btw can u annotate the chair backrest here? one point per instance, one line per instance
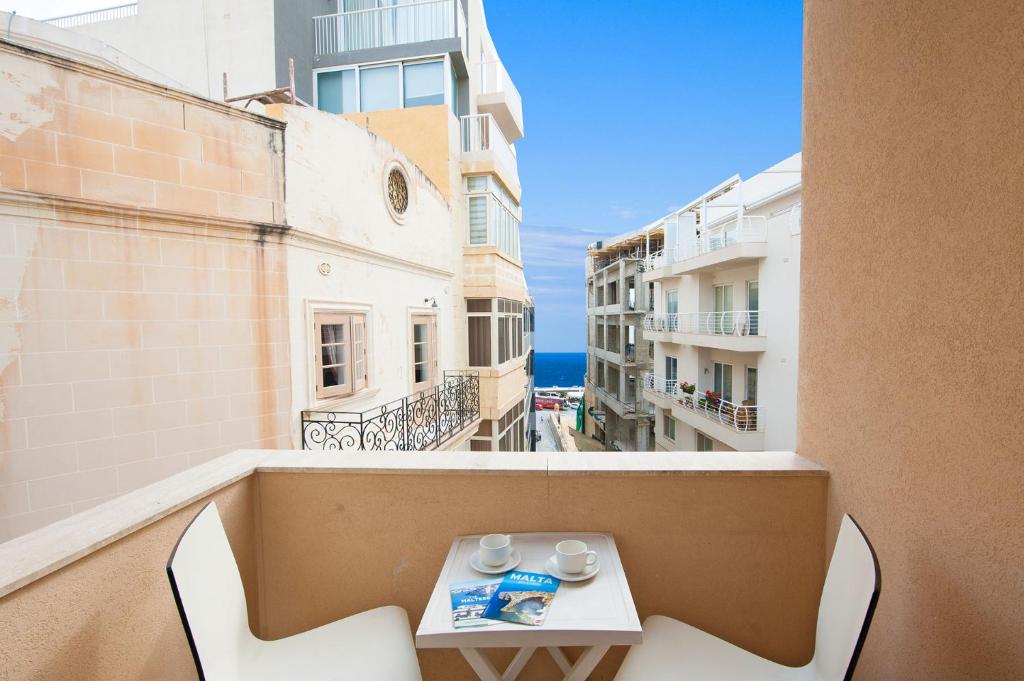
(210, 597)
(848, 602)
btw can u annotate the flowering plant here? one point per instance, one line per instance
(712, 396)
(687, 387)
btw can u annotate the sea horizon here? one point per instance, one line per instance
(559, 369)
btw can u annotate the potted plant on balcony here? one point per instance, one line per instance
(710, 401)
(686, 397)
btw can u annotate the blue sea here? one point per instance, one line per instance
(562, 369)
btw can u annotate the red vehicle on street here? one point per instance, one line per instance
(546, 402)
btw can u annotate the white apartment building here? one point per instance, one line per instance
(726, 317)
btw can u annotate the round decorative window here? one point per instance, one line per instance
(398, 191)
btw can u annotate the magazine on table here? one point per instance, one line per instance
(470, 599)
(522, 598)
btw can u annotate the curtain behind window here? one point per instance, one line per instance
(480, 341)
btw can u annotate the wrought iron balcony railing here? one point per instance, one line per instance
(421, 421)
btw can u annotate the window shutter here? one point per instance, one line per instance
(435, 377)
(359, 353)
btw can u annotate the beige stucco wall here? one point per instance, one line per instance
(318, 539)
(80, 132)
(501, 387)
(111, 614)
(489, 273)
(142, 286)
(423, 134)
(911, 318)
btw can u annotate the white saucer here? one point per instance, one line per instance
(589, 571)
(513, 560)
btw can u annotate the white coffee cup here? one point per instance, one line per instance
(572, 556)
(495, 549)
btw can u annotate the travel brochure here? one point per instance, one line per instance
(518, 597)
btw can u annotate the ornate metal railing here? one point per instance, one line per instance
(421, 421)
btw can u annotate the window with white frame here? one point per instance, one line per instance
(495, 331)
(704, 443)
(340, 353)
(424, 351)
(392, 85)
(494, 216)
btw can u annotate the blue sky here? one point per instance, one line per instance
(632, 108)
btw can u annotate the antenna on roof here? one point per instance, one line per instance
(281, 95)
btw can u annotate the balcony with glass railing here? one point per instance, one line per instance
(379, 27)
(499, 97)
(729, 241)
(735, 240)
(738, 330)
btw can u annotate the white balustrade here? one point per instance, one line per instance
(742, 418)
(663, 386)
(95, 16)
(364, 29)
(732, 323)
(494, 79)
(480, 132)
(748, 229)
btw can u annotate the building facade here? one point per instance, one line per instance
(167, 300)
(725, 319)
(678, 346)
(618, 355)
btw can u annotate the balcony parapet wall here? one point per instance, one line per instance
(742, 556)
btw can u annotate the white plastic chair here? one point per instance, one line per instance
(676, 651)
(371, 646)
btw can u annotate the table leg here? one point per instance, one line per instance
(480, 664)
(517, 664)
(560, 659)
(584, 665)
(485, 669)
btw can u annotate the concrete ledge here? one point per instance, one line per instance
(37, 554)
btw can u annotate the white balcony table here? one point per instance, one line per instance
(595, 614)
